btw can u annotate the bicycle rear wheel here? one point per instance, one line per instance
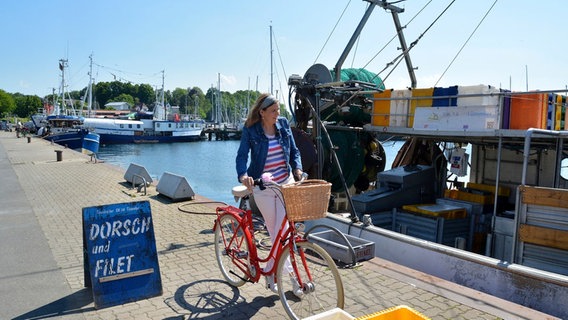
(318, 277)
(232, 250)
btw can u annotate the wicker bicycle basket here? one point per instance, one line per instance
(306, 200)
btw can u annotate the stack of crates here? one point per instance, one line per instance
(440, 223)
(537, 110)
(396, 108)
(469, 108)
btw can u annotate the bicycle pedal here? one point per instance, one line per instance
(242, 254)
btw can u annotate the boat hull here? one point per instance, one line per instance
(533, 288)
(91, 143)
(119, 131)
(124, 139)
(87, 142)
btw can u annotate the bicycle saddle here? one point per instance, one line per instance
(240, 192)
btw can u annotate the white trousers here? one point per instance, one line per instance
(272, 209)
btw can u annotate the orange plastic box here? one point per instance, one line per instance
(395, 313)
(528, 111)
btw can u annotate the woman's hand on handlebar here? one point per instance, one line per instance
(247, 182)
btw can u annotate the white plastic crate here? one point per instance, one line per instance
(333, 314)
(338, 249)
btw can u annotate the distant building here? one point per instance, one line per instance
(111, 113)
(121, 106)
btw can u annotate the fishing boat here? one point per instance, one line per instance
(163, 125)
(478, 194)
(70, 132)
(145, 128)
(62, 124)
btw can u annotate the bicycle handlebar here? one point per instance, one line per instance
(262, 184)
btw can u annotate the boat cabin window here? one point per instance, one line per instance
(130, 126)
(564, 169)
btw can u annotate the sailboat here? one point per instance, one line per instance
(63, 125)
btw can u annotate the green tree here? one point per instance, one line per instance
(102, 92)
(179, 98)
(145, 94)
(7, 103)
(197, 103)
(167, 97)
(26, 105)
(123, 97)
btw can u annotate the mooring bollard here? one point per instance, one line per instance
(29, 139)
(59, 154)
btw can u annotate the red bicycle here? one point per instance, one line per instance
(314, 271)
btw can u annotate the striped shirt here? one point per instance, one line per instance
(275, 161)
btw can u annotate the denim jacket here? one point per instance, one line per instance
(253, 139)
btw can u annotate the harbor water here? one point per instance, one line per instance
(208, 166)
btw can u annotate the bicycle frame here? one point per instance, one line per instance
(281, 243)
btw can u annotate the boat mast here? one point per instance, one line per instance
(395, 11)
(351, 42)
(162, 98)
(218, 119)
(90, 87)
(62, 66)
(271, 63)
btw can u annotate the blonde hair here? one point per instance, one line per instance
(254, 113)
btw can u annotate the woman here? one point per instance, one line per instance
(269, 139)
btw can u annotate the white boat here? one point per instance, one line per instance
(503, 231)
(146, 129)
(160, 126)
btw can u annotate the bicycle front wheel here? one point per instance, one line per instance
(314, 286)
(232, 250)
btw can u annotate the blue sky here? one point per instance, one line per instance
(195, 41)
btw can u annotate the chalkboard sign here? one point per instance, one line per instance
(121, 261)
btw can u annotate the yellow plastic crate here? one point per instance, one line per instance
(503, 191)
(381, 108)
(395, 313)
(471, 197)
(437, 210)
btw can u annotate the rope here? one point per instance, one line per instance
(196, 203)
(413, 44)
(463, 46)
(332, 31)
(396, 34)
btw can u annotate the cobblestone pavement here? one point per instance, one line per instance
(41, 274)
